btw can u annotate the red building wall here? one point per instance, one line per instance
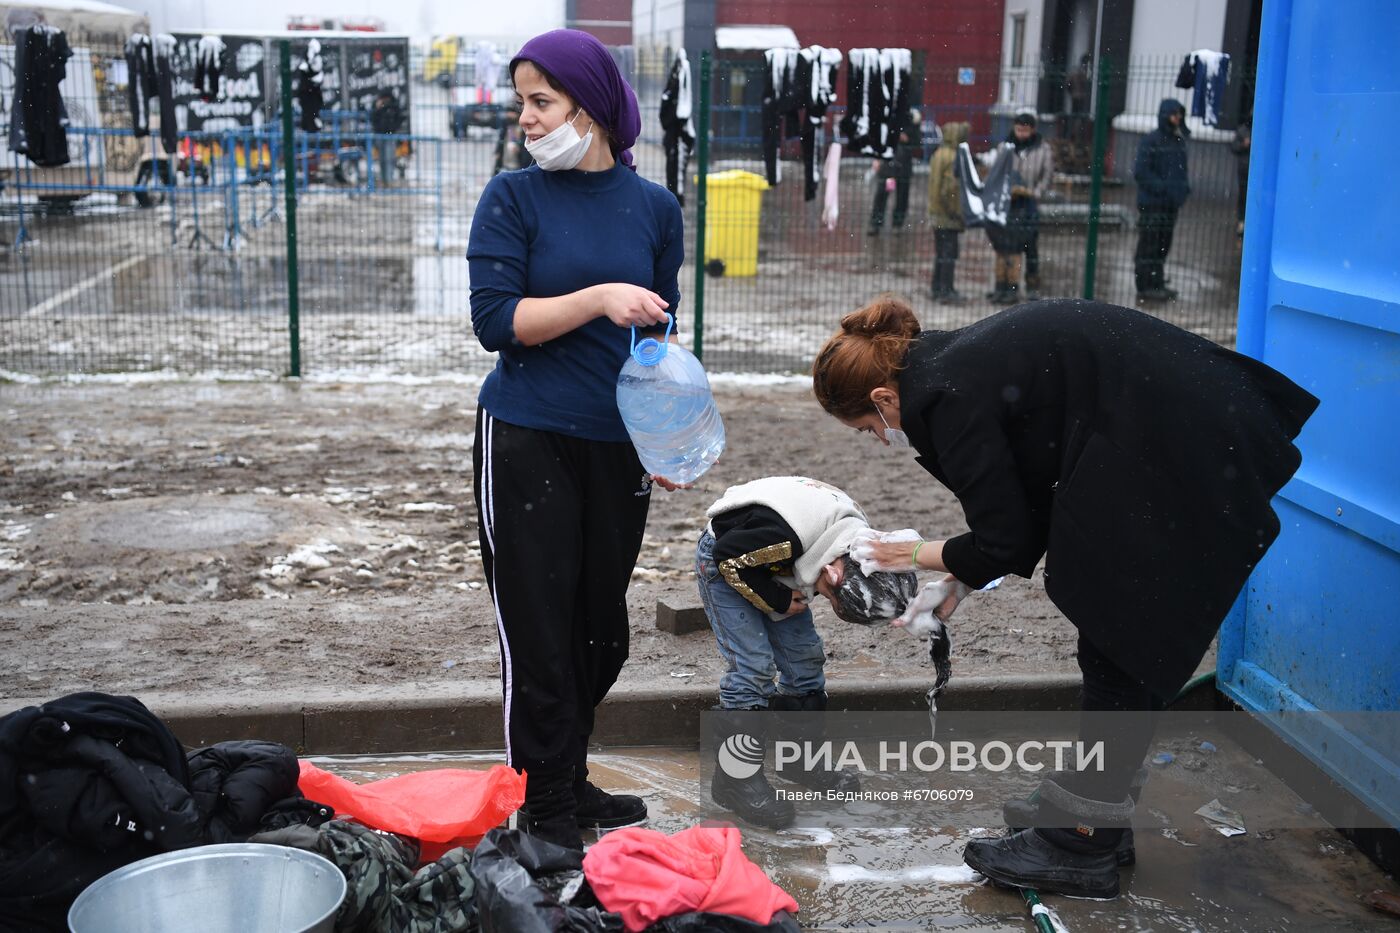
(952, 34)
(587, 14)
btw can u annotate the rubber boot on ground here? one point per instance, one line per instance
(1074, 858)
(807, 728)
(748, 795)
(1022, 812)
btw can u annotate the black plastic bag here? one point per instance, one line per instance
(527, 885)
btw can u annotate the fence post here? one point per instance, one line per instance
(1091, 250)
(289, 160)
(700, 200)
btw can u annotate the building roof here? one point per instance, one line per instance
(755, 37)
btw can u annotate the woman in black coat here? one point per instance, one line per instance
(1137, 459)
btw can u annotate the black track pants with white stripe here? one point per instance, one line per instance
(560, 522)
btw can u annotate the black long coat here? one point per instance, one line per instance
(1137, 458)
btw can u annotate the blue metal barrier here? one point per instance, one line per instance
(1318, 625)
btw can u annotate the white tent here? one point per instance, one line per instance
(84, 22)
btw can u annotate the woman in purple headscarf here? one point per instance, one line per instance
(565, 257)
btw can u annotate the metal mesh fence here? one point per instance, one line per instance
(132, 258)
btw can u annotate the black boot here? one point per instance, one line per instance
(1077, 860)
(1021, 812)
(749, 795)
(807, 729)
(596, 808)
(550, 811)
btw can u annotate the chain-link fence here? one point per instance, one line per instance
(135, 258)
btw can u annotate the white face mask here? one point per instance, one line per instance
(894, 436)
(562, 148)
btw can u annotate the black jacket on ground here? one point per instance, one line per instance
(1160, 166)
(92, 782)
(88, 783)
(1139, 459)
(236, 785)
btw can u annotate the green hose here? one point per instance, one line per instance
(1039, 917)
(1199, 680)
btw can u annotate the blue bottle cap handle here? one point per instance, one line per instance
(652, 351)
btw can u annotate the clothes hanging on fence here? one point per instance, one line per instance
(208, 66)
(780, 102)
(986, 202)
(1210, 71)
(310, 79)
(150, 74)
(677, 125)
(877, 99)
(38, 116)
(831, 201)
(799, 86)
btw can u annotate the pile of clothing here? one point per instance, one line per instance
(92, 782)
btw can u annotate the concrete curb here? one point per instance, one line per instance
(413, 720)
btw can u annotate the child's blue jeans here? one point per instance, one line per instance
(753, 644)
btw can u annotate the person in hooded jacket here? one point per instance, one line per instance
(945, 210)
(1163, 186)
(1035, 167)
(1137, 459)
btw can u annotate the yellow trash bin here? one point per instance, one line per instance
(731, 220)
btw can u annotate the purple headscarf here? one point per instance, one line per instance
(588, 73)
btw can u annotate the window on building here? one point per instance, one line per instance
(1018, 40)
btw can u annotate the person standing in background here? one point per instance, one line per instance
(1163, 186)
(1035, 166)
(385, 119)
(894, 174)
(945, 209)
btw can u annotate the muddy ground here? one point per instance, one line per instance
(246, 537)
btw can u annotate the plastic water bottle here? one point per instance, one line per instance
(665, 401)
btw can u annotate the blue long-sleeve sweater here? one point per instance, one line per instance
(539, 234)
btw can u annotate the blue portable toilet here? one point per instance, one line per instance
(1318, 625)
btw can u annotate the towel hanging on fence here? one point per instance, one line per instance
(677, 127)
(38, 116)
(831, 201)
(208, 66)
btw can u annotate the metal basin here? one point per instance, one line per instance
(215, 889)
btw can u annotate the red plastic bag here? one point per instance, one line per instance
(442, 809)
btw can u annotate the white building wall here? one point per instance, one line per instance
(1019, 85)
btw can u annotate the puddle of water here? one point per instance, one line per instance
(912, 877)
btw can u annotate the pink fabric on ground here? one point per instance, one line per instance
(647, 876)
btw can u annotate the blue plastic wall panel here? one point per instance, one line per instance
(1318, 626)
